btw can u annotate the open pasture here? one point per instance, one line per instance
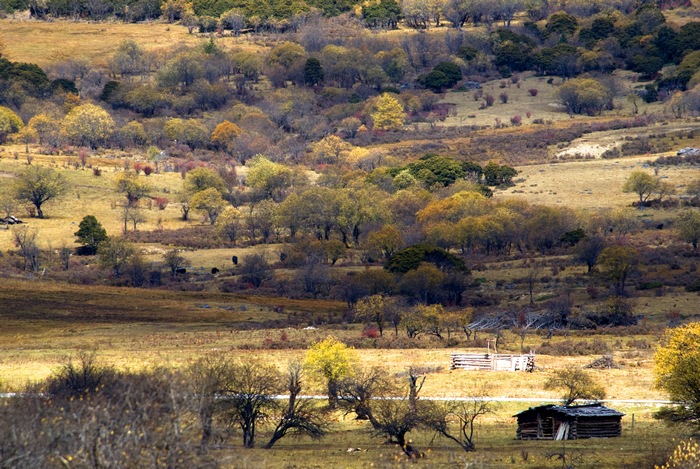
(155, 328)
(590, 185)
(48, 42)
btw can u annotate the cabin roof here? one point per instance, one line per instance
(588, 410)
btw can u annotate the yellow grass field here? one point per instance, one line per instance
(45, 43)
(590, 185)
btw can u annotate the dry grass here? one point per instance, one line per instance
(89, 195)
(545, 105)
(588, 185)
(45, 43)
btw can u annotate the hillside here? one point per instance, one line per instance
(193, 187)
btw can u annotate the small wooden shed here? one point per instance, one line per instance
(556, 422)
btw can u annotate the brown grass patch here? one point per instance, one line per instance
(45, 43)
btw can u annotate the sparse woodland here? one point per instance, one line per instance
(327, 198)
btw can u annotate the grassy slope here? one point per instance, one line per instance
(45, 43)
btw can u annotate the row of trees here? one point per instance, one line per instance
(216, 396)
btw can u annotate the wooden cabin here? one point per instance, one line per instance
(555, 422)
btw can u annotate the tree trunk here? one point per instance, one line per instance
(332, 394)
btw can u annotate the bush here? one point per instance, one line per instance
(73, 381)
(489, 100)
(503, 97)
(532, 91)
(574, 348)
(411, 258)
(516, 120)
(161, 202)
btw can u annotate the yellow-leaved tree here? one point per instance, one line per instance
(677, 370)
(224, 135)
(9, 123)
(389, 113)
(331, 361)
(685, 456)
(88, 125)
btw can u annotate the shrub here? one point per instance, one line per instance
(147, 170)
(516, 120)
(489, 100)
(73, 381)
(96, 171)
(503, 97)
(370, 332)
(533, 91)
(161, 202)
(574, 348)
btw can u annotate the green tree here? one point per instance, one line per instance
(451, 70)
(677, 371)
(332, 361)
(575, 384)
(387, 240)
(210, 202)
(10, 123)
(38, 185)
(688, 227)
(584, 95)
(88, 125)
(371, 309)
(129, 59)
(313, 72)
(90, 233)
(174, 10)
(229, 225)
(389, 113)
(616, 263)
(132, 186)
(132, 134)
(47, 129)
(202, 178)
(268, 178)
(422, 282)
(114, 254)
(188, 131)
(498, 175)
(183, 70)
(641, 183)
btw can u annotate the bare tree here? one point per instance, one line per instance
(8, 204)
(25, 240)
(132, 214)
(300, 416)
(357, 392)
(210, 375)
(249, 396)
(525, 321)
(455, 420)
